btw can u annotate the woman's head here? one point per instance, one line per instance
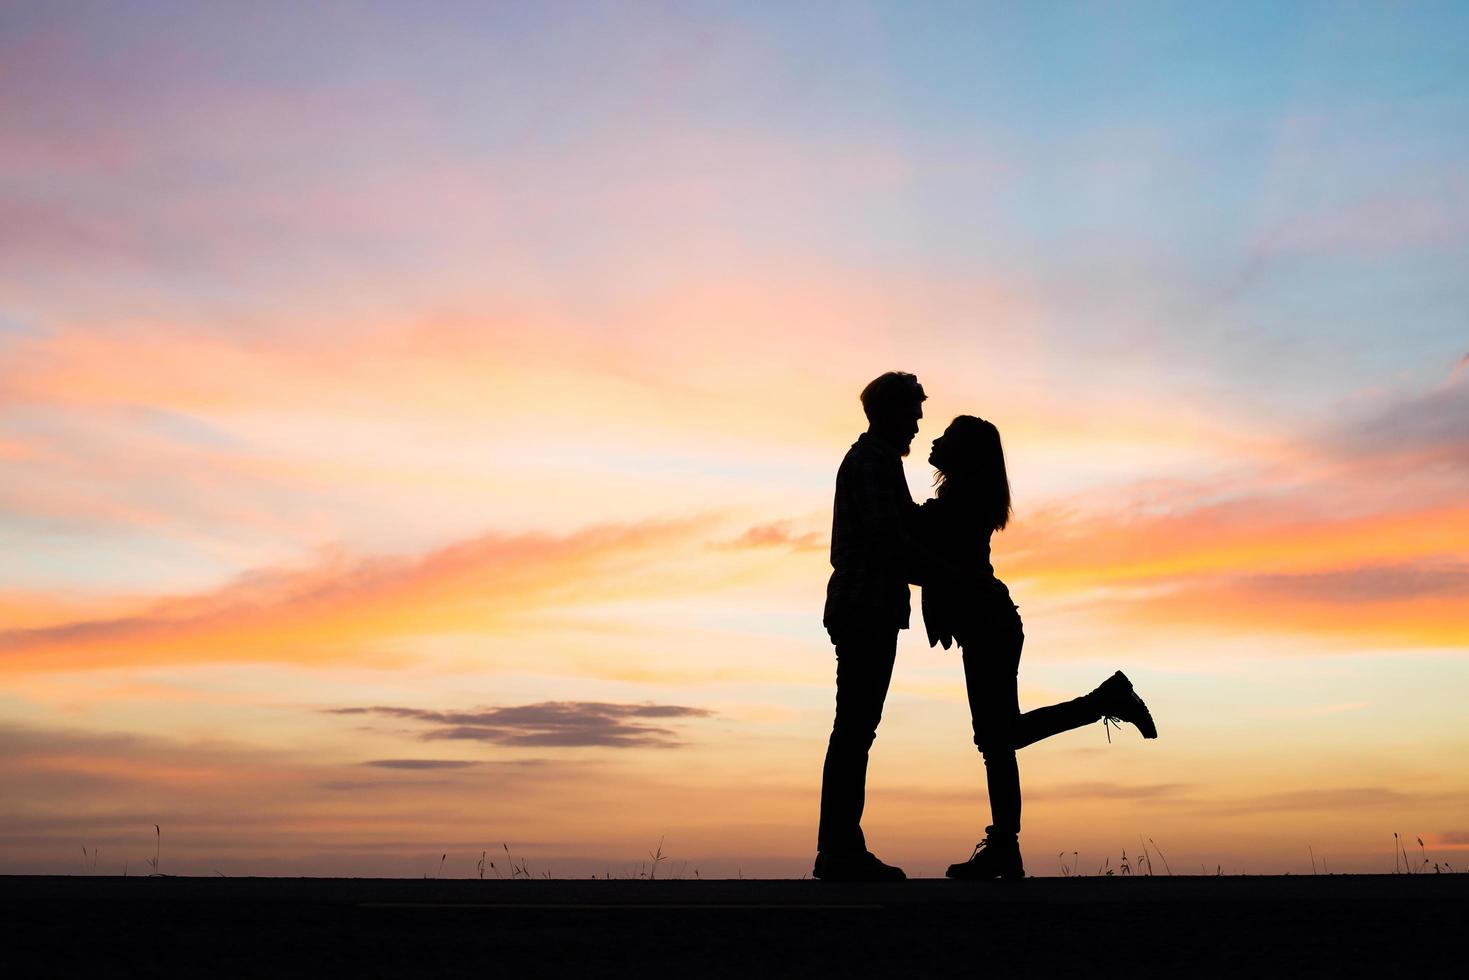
(971, 463)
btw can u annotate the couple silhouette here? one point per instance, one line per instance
(881, 542)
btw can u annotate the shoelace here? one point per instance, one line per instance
(979, 847)
(1107, 722)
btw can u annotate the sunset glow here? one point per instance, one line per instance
(418, 424)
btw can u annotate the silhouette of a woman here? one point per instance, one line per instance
(971, 502)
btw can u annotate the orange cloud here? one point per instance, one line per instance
(25, 609)
(779, 534)
(1328, 607)
(1257, 565)
(343, 608)
(1245, 537)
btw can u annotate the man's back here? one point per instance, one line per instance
(869, 581)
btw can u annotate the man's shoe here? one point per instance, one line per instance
(997, 858)
(857, 866)
(1119, 702)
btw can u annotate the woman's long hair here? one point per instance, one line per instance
(976, 473)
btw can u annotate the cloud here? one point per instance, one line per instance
(547, 724)
(49, 766)
(332, 427)
(1105, 791)
(421, 763)
(1411, 603)
(337, 609)
(1351, 540)
(1346, 798)
(1058, 792)
(1360, 494)
(1423, 427)
(1260, 528)
(244, 809)
(1373, 583)
(779, 534)
(1431, 213)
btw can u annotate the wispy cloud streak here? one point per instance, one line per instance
(564, 724)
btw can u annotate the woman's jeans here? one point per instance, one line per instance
(991, 677)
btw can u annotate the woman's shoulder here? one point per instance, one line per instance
(944, 510)
(934, 506)
(955, 520)
(932, 513)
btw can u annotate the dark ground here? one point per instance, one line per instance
(1353, 925)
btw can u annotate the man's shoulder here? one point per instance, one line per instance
(865, 452)
(856, 455)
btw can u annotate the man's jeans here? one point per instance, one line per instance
(865, 655)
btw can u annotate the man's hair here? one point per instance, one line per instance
(891, 394)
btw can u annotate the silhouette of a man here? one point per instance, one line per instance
(874, 557)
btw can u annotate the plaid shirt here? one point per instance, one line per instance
(873, 553)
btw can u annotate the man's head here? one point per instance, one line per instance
(894, 404)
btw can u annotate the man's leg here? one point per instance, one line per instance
(865, 656)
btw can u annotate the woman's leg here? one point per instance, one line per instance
(990, 680)
(1041, 723)
(999, 700)
(994, 708)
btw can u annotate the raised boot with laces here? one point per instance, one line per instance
(1117, 702)
(996, 856)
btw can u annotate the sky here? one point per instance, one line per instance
(418, 426)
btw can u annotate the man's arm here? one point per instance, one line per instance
(888, 511)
